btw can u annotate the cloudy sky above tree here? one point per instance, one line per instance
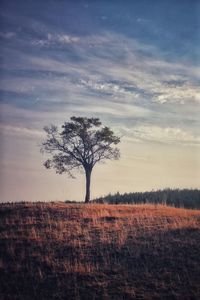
(133, 64)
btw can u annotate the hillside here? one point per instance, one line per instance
(99, 251)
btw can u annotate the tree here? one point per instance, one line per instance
(82, 143)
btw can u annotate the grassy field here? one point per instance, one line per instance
(69, 251)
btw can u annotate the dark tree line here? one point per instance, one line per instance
(187, 198)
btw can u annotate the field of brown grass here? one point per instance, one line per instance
(73, 251)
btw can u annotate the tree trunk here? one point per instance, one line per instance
(88, 180)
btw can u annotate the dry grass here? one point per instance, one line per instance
(63, 251)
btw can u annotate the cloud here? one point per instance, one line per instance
(24, 132)
(115, 89)
(7, 35)
(112, 76)
(115, 66)
(119, 110)
(180, 94)
(168, 135)
(55, 40)
(139, 70)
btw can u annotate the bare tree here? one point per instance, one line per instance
(81, 144)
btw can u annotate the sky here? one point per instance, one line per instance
(133, 64)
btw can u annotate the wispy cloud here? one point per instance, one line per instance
(118, 67)
(23, 132)
(52, 39)
(168, 135)
(7, 35)
(114, 76)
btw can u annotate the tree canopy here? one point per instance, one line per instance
(81, 144)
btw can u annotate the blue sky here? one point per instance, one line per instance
(133, 64)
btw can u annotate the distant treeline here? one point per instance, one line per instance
(188, 198)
